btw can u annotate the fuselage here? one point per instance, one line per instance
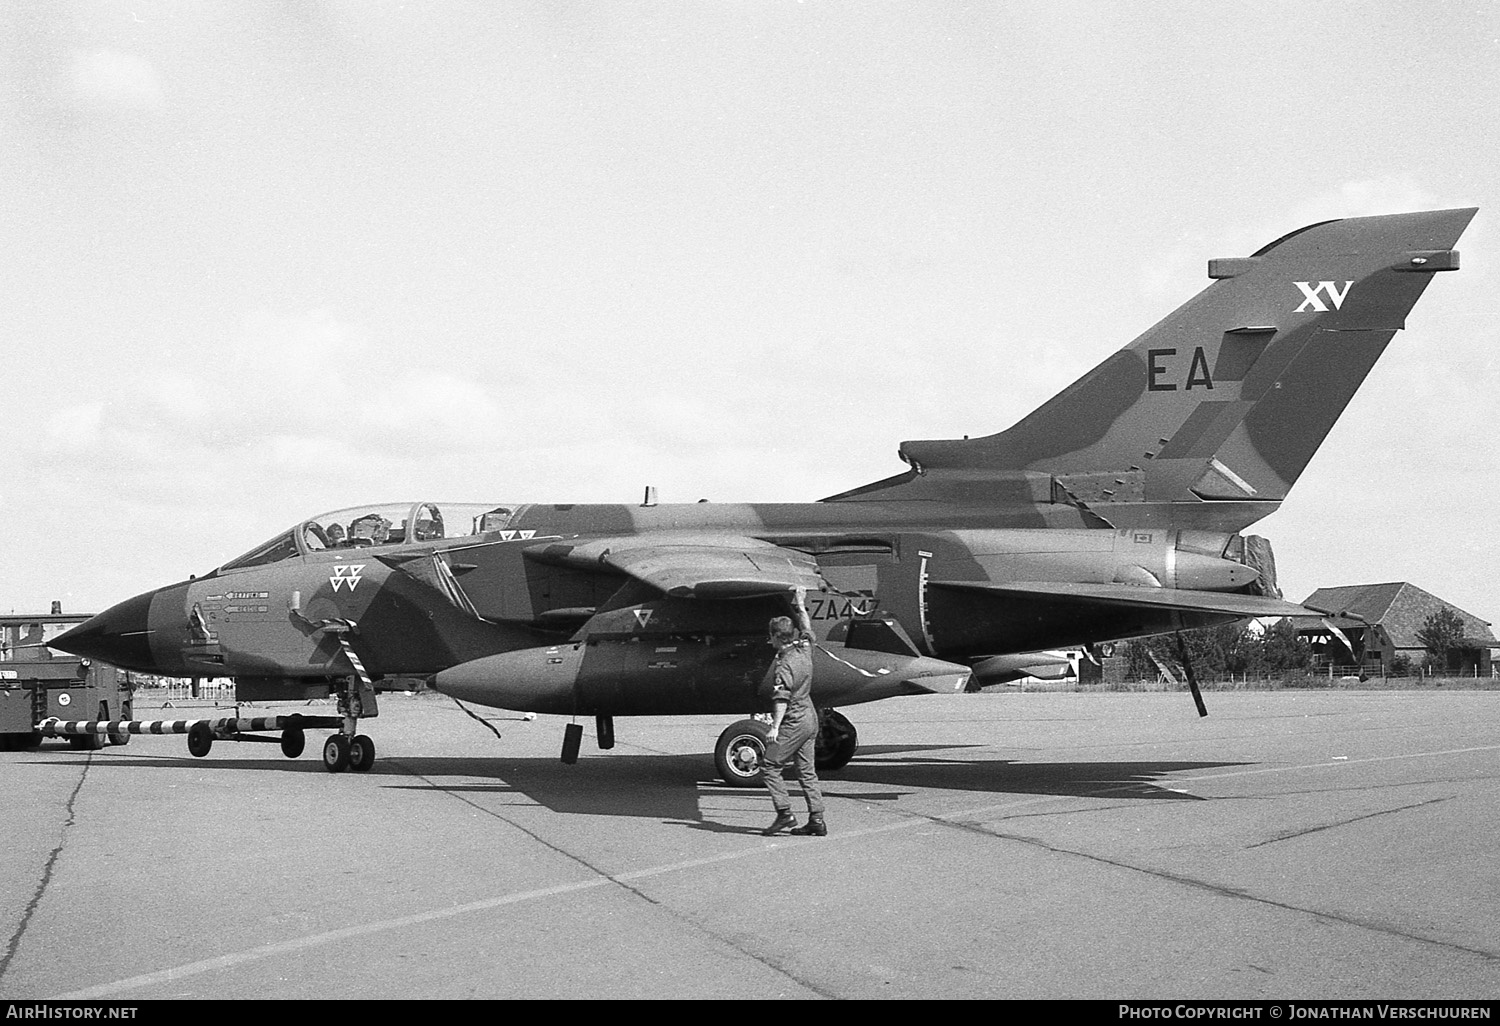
(422, 597)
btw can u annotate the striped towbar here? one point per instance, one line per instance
(222, 727)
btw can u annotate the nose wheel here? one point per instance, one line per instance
(336, 753)
(341, 752)
(361, 753)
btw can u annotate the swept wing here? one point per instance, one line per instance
(705, 566)
(1093, 596)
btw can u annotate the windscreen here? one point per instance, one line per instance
(394, 523)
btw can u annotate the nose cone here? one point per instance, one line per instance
(121, 635)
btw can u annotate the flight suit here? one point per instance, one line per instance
(797, 741)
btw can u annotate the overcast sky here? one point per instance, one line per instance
(263, 260)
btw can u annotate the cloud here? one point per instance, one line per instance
(1174, 273)
(76, 428)
(309, 454)
(440, 407)
(1391, 194)
(108, 80)
(291, 405)
(177, 397)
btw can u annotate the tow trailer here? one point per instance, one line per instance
(342, 750)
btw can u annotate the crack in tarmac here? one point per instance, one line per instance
(1346, 822)
(972, 826)
(1231, 892)
(621, 880)
(1351, 789)
(14, 945)
(980, 829)
(599, 879)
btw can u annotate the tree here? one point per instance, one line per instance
(1224, 650)
(1281, 650)
(1442, 634)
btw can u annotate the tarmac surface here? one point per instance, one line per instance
(1295, 844)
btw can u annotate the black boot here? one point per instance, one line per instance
(784, 819)
(815, 827)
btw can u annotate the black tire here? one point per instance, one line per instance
(200, 740)
(122, 737)
(739, 751)
(87, 742)
(336, 753)
(837, 741)
(293, 741)
(361, 753)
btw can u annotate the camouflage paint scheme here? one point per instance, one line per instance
(1112, 511)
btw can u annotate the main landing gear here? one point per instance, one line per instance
(742, 747)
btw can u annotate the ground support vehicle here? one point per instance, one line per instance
(38, 682)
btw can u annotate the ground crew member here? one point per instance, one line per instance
(794, 725)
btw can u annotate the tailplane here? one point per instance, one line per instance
(1208, 418)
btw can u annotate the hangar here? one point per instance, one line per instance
(1382, 621)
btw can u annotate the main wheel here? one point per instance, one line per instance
(837, 741)
(87, 742)
(361, 753)
(336, 753)
(739, 752)
(200, 739)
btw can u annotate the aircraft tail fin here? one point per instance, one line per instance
(1209, 417)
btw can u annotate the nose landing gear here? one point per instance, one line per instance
(348, 749)
(341, 752)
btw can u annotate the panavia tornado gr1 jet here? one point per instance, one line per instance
(1113, 511)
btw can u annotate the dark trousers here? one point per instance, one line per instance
(797, 748)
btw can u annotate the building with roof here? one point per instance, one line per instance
(1381, 622)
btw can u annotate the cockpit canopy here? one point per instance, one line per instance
(373, 526)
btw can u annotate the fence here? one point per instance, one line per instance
(167, 693)
(1369, 672)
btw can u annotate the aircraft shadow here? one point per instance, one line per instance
(1007, 776)
(677, 787)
